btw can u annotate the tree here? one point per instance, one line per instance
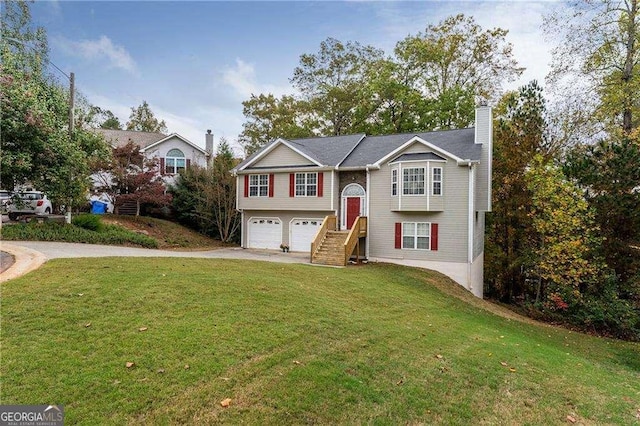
(565, 239)
(269, 118)
(37, 146)
(129, 177)
(520, 134)
(457, 54)
(204, 199)
(599, 47)
(608, 173)
(332, 82)
(142, 119)
(225, 215)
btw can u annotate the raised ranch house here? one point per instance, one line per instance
(173, 152)
(413, 199)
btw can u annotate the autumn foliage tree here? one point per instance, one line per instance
(130, 177)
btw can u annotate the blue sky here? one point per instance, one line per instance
(195, 62)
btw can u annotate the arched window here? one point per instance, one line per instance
(175, 162)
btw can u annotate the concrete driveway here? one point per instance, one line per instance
(29, 255)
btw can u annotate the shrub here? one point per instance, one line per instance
(111, 234)
(91, 222)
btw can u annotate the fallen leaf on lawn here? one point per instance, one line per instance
(186, 366)
(502, 363)
(571, 419)
(513, 370)
(401, 381)
(80, 294)
(88, 324)
(225, 402)
(116, 382)
(638, 414)
(296, 362)
(226, 379)
(439, 356)
(143, 328)
(160, 370)
(130, 364)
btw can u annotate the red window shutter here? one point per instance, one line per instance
(162, 171)
(271, 180)
(434, 237)
(246, 185)
(188, 163)
(320, 183)
(398, 235)
(292, 185)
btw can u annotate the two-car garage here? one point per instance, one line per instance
(268, 232)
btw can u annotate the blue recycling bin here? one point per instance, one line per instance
(98, 207)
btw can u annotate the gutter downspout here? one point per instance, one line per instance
(470, 225)
(367, 203)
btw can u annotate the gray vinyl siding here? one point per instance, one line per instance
(282, 156)
(478, 234)
(281, 196)
(336, 192)
(452, 222)
(484, 136)
(286, 216)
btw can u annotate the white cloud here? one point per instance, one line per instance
(242, 79)
(100, 49)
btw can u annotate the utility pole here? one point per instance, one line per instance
(72, 84)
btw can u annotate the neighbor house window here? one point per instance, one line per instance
(394, 182)
(306, 184)
(416, 235)
(436, 182)
(258, 185)
(413, 181)
(174, 162)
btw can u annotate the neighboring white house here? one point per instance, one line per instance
(416, 199)
(173, 152)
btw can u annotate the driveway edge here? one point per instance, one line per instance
(26, 260)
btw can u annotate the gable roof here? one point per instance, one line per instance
(175, 135)
(418, 156)
(119, 138)
(359, 151)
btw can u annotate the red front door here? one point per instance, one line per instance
(353, 210)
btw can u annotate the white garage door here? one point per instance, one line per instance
(302, 232)
(265, 232)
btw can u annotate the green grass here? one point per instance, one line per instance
(108, 234)
(294, 344)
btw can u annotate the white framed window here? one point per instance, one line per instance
(394, 182)
(258, 185)
(416, 235)
(174, 162)
(306, 184)
(413, 181)
(436, 181)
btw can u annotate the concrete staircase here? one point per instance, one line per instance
(331, 251)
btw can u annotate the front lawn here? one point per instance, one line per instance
(294, 344)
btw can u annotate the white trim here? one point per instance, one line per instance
(490, 160)
(426, 179)
(441, 181)
(427, 182)
(411, 142)
(415, 236)
(332, 187)
(187, 141)
(258, 185)
(394, 169)
(343, 204)
(306, 185)
(271, 147)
